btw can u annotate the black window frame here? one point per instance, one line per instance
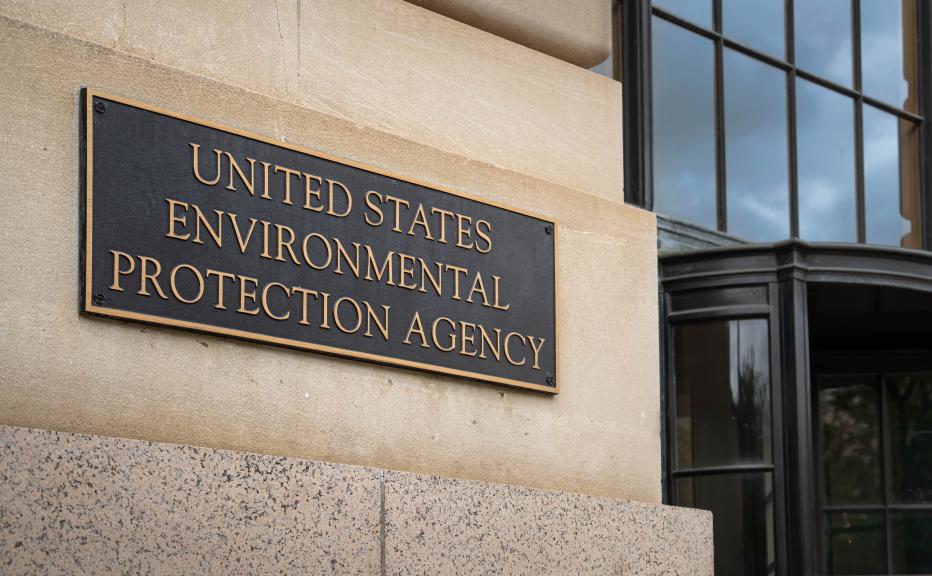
(878, 365)
(788, 270)
(635, 43)
(725, 312)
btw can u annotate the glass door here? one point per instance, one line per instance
(875, 453)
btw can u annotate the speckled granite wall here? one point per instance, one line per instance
(78, 504)
(442, 526)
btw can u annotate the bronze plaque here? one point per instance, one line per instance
(203, 227)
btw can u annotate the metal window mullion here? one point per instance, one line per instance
(924, 65)
(777, 443)
(683, 23)
(910, 507)
(672, 416)
(636, 66)
(898, 112)
(856, 43)
(846, 91)
(669, 397)
(818, 476)
(853, 508)
(792, 152)
(866, 508)
(762, 467)
(802, 508)
(859, 175)
(720, 160)
(752, 53)
(884, 472)
(717, 17)
(790, 54)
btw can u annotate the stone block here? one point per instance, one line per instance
(76, 504)
(65, 371)
(441, 526)
(382, 64)
(579, 32)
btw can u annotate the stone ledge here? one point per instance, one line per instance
(579, 32)
(79, 504)
(443, 526)
(382, 64)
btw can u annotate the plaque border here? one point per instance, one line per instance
(87, 148)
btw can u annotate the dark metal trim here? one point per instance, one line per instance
(792, 157)
(802, 533)
(891, 363)
(924, 72)
(712, 313)
(666, 453)
(884, 471)
(718, 72)
(859, 263)
(677, 235)
(636, 105)
(859, 177)
(714, 470)
(878, 508)
(778, 430)
(856, 44)
(860, 205)
(791, 139)
(857, 95)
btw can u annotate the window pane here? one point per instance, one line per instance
(911, 542)
(850, 436)
(697, 11)
(823, 38)
(722, 381)
(825, 160)
(684, 125)
(756, 149)
(888, 51)
(855, 543)
(755, 23)
(891, 174)
(742, 518)
(909, 422)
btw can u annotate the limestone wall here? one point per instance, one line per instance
(382, 82)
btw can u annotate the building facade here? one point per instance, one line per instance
(762, 167)
(785, 148)
(136, 444)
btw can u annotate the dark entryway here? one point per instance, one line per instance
(873, 404)
(798, 398)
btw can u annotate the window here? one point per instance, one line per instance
(723, 458)
(798, 407)
(771, 119)
(875, 432)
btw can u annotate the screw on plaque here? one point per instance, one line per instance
(100, 107)
(548, 229)
(98, 298)
(551, 381)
